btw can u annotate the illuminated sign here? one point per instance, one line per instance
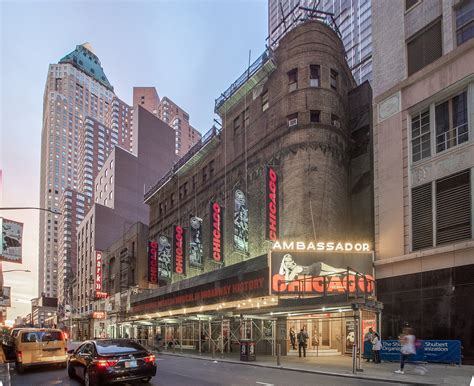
(321, 273)
(179, 242)
(153, 262)
(98, 271)
(100, 295)
(272, 228)
(98, 315)
(217, 232)
(321, 246)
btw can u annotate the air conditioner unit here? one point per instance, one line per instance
(314, 82)
(336, 123)
(292, 122)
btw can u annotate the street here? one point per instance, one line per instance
(185, 371)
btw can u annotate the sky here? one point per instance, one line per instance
(190, 50)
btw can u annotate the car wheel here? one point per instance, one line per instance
(20, 369)
(146, 380)
(70, 371)
(89, 380)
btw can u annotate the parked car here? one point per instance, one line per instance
(40, 347)
(102, 361)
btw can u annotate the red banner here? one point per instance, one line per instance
(153, 262)
(179, 248)
(272, 205)
(217, 232)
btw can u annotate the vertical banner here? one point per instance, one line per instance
(11, 241)
(195, 245)
(98, 273)
(272, 228)
(350, 335)
(164, 258)
(153, 262)
(217, 232)
(241, 222)
(179, 243)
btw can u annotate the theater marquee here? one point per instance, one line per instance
(321, 246)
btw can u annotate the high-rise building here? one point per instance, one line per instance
(186, 136)
(352, 17)
(424, 167)
(78, 99)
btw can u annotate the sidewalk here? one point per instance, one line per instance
(342, 366)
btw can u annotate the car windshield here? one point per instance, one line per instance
(41, 336)
(106, 347)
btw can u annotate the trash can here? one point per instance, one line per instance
(247, 350)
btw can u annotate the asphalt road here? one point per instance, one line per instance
(174, 371)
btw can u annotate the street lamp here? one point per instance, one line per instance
(16, 270)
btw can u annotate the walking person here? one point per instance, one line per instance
(376, 347)
(407, 341)
(293, 338)
(302, 339)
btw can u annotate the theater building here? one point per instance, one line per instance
(266, 224)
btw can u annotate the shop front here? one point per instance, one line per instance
(266, 300)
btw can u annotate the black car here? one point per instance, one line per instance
(111, 360)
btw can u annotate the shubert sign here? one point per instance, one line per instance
(321, 246)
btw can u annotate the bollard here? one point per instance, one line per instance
(278, 353)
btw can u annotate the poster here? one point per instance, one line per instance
(241, 222)
(11, 241)
(179, 255)
(350, 335)
(195, 245)
(164, 258)
(366, 325)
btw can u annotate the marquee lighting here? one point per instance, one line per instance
(321, 246)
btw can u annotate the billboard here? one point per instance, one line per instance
(179, 243)
(153, 262)
(241, 222)
(98, 273)
(320, 273)
(195, 245)
(164, 258)
(11, 241)
(272, 205)
(217, 232)
(6, 299)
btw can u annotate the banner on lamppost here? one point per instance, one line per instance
(6, 298)
(241, 222)
(195, 245)
(11, 240)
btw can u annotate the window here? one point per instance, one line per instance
(265, 101)
(334, 76)
(424, 48)
(451, 122)
(420, 136)
(409, 4)
(335, 121)
(314, 116)
(293, 79)
(314, 75)
(292, 119)
(237, 123)
(422, 217)
(453, 208)
(465, 22)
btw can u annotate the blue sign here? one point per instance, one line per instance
(441, 351)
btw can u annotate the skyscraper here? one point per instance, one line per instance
(77, 92)
(352, 17)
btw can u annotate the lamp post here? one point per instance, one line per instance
(16, 270)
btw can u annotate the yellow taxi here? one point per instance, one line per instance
(40, 346)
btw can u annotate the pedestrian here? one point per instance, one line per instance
(293, 338)
(407, 342)
(368, 344)
(302, 339)
(376, 347)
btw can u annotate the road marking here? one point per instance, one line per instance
(263, 383)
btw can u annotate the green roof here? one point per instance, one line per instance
(84, 59)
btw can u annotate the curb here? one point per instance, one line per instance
(328, 373)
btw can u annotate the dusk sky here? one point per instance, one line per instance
(191, 51)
